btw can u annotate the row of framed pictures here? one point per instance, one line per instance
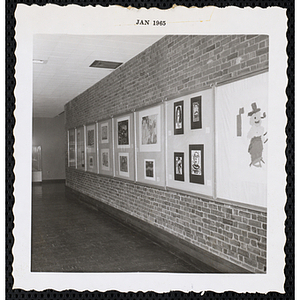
(137, 146)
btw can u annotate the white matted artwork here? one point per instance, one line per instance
(104, 133)
(124, 164)
(123, 132)
(149, 169)
(150, 129)
(105, 163)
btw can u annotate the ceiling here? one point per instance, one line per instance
(64, 70)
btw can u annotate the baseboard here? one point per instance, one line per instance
(181, 248)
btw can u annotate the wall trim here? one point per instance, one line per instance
(181, 248)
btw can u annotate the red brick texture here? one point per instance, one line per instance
(174, 66)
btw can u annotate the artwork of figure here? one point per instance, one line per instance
(149, 130)
(178, 117)
(105, 159)
(123, 135)
(196, 165)
(196, 112)
(257, 136)
(179, 165)
(123, 164)
(149, 167)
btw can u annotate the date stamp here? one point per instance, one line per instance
(151, 22)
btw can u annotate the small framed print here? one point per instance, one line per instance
(196, 113)
(178, 117)
(149, 169)
(179, 166)
(124, 164)
(91, 161)
(105, 159)
(104, 133)
(123, 132)
(196, 163)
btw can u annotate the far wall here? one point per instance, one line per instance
(49, 133)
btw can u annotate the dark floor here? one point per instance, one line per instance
(68, 236)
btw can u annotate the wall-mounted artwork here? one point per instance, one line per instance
(196, 113)
(105, 165)
(72, 162)
(124, 164)
(80, 149)
(179, 166)
(149, 128)
(123, 127)
(149, 169)
(178, 118)
(196, 163)
(104, 133)
(91, 138)
(91, 161)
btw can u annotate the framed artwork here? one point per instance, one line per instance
(149, 128)
(72, 162)
(80, 148)
(123, 132)
(196, 163)
(124, 164)
(105, 165)
(179, 166)
(104, 133)
(196, 113)
(91, 138)
(178, 117)
(149, 169)
(91, 161)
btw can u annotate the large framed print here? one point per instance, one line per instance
(196, 163)
(178, 117)
(196, 113)
(123, 132)
(124, 142)
(91, 148)
(80, 148)
(105, 147)
(71, 148)
(150, 129)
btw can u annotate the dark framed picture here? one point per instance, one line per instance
(178, 117)
(196, 113)
(91, 161)
(196, 163)
(179, 166)
(123, 132)
(149, 165)
(91, 138)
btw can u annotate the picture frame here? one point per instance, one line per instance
(196, 113)
(179, 166)
(196, 153)
(104, 133)
(149, 169)
(105, 160)
(124, 164)
(91, 161)
(150, 129)
(178, 117)
(123, 132)
(91, 138)
(71, 146)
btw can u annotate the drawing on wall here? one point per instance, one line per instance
(104, 133)
(257, 136)
(179, 166)
(149, 130)
(105, 159)
(91, 161)
(91, 138)
(149, 169)
(123, 132)
(196, 164)
(124, 164)
(178, 117)
(196, 113)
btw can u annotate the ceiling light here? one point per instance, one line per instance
(39, 61)
(105, 64)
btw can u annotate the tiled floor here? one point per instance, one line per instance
(68, 236)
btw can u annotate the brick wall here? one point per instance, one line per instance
(174, 66)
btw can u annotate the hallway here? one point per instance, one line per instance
(68, 236)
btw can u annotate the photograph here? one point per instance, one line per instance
(178, 118)
(179, 166)
(149, 169)
(123, 132)
(196, 113)
(196, 163)
(104, 133)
